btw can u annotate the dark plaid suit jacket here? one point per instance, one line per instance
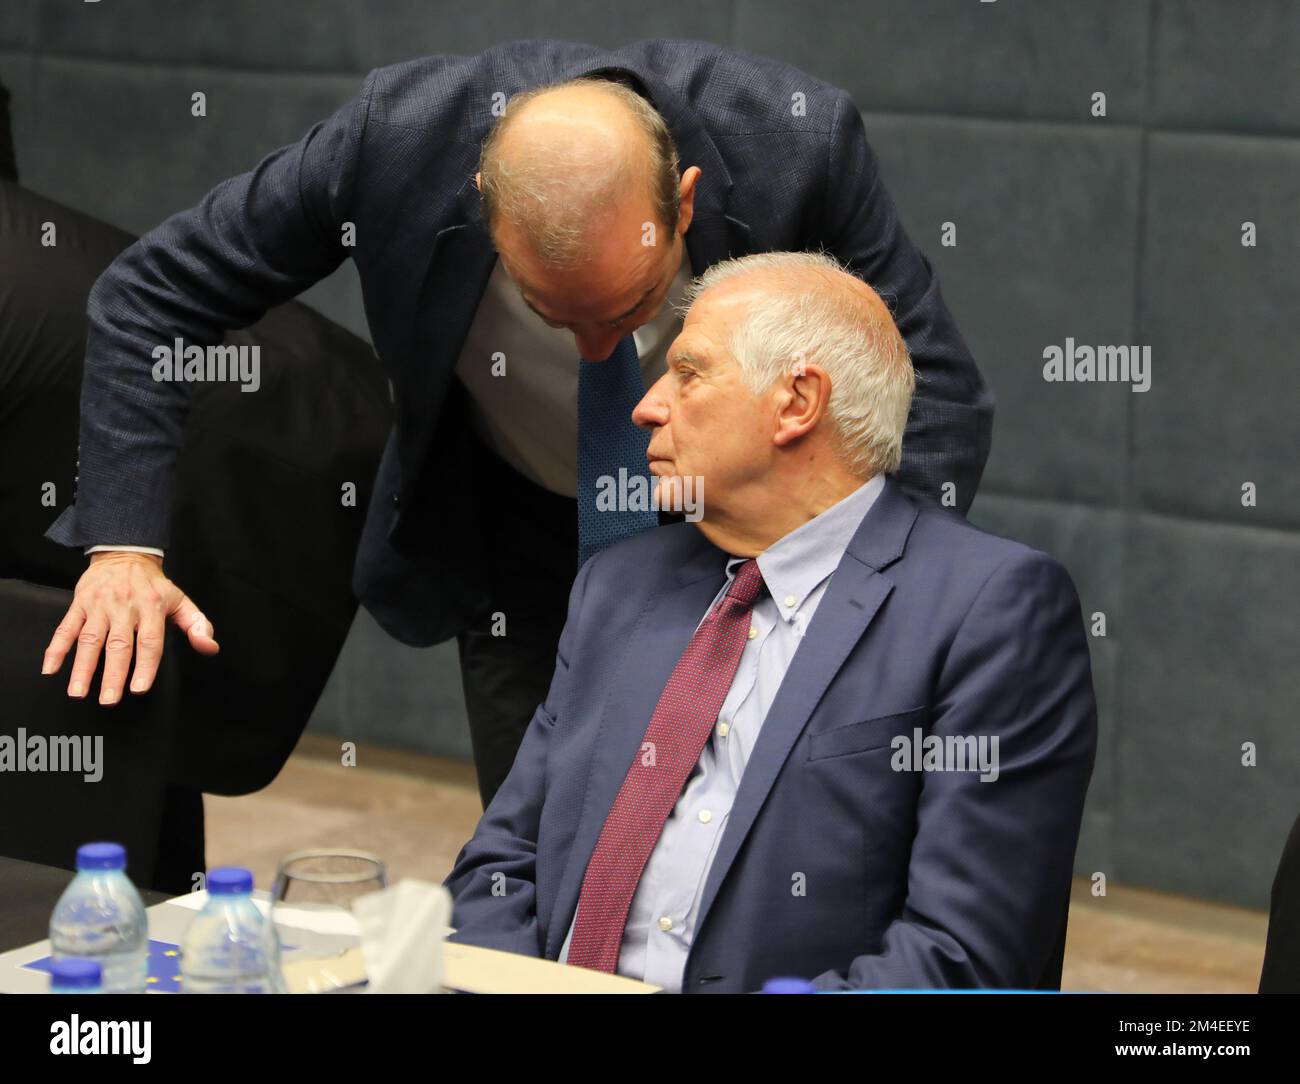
(785, 165)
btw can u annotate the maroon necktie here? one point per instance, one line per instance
(671, 748)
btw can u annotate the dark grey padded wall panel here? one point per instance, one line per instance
(152, 157)
(344, 35)
(18, 24)
(1227, 66)
(1211, 663)
(403, 28)
(1222, 321)
(1115, 230)
(1045, 218)
(1039, 60)
(391, 694)
(221, 34)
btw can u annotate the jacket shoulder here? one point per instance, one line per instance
(738, 92)
(418, 93)
(650, 555)
(942, 538)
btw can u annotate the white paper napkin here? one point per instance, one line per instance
(402, 931)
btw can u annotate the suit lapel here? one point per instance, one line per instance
(663, 629)
(436, 319)
(847, 608)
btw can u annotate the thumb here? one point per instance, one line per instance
(190, 620)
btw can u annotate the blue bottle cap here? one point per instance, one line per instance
(76, 973)
(230, 881)
(101, 856)
(788, 986)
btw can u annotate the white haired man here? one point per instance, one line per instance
(828, 731)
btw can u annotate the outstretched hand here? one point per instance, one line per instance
(123, 603)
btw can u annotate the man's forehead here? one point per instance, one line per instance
(617, 285)
(711, 318)
(701, 344)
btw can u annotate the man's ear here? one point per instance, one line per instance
(478, 181)
(804, 397)
(686, 198)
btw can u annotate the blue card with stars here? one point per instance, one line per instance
(164, 967)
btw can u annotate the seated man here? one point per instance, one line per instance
(773, 745)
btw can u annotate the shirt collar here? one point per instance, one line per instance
(666, 323)
(794, 566)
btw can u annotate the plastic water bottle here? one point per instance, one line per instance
(229, 947)
(76, 975)
(101, 916)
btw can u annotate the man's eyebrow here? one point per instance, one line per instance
(678, 357)
(616, 320)
(624, 316)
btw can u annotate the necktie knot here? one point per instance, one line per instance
(747, 583)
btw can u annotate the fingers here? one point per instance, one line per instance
(148, 649)
(89, 641)
(117, 656)
(63, 639)
(189, 618)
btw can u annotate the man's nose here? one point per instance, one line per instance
(652, 411)
(596, 346)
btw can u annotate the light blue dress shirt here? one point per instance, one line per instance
(661, 920)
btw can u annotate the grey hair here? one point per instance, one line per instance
(559, 213)
(801, 321)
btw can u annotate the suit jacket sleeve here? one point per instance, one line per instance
(494, 881)
(949, 431)
(991, 861)
(254, 241)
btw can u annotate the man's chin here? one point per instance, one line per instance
(674, 493)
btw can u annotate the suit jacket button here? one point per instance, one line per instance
(397, 499)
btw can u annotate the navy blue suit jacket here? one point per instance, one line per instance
(397, 163)
(910, 879)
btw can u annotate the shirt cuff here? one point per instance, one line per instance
(124, 549)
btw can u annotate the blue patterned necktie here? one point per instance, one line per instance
(608, 441)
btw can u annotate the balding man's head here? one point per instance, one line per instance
(563, 159)
(580, 189)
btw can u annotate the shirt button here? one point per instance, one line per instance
(723, 730)
(753, 633)
(665, 923)
(789, 600)
(705, 816)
